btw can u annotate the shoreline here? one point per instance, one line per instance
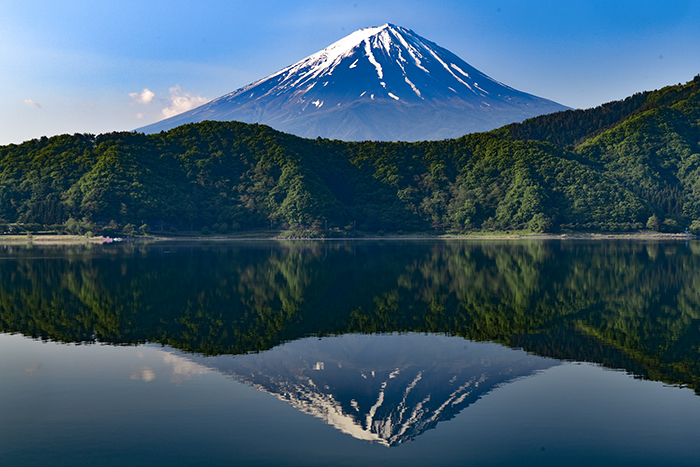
(81, 239)
(588, 236)
(50, 240)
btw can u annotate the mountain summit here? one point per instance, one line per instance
(378, 83)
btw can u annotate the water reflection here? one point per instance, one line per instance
(385, 389)
(634, 306)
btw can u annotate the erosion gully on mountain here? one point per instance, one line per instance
(379, 83)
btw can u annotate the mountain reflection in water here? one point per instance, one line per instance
(385, 389)
(628, 305)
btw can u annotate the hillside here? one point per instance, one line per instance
(233, 176)
(649, 141)
(570, 127)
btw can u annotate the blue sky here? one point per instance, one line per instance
(98, 66)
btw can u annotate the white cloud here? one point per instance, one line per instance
(183, 369)
(145, 97)
(31, 103)
(182, 101)
(145, 373)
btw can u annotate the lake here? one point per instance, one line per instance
(351, 353)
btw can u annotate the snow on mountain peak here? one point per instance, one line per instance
(383, 47)
(417, 381)
(323, 63)
(383, 70)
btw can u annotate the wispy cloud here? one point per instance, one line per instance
(31, 103)
(145, 97)
(182, 101)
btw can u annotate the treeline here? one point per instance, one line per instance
(572, 127)
(642, 172)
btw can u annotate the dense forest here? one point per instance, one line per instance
(624, 166)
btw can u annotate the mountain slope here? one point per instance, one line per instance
(649, 141)
(573, 127)
(384, 389)
(252, 176)
(379, 83)
(656, 154)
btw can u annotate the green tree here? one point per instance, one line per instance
(540, 223)
(695, 227)
(653, 223)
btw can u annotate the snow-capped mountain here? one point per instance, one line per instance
(385, 389)
(378, 83)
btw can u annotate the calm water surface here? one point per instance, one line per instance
(351, 353)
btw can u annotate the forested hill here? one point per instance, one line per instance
(575, 126)
(643, 170)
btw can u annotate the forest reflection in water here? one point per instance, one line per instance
(629, 305)
(370, 335)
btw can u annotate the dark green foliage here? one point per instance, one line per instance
(638, 300)
(656, 155)
(216, 174)
(567, 127)
(575, 126)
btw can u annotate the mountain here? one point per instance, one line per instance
(378, 83)
(385, 389)
(636, 165)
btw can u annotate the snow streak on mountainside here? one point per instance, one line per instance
(386, 389)
(379, 83)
